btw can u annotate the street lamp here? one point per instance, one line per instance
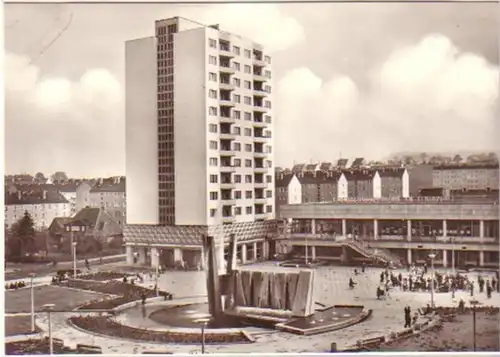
(32, 291)
(74, 259)
(452, 241)
(474, 303)
(432, 256)
(203, 323)
(48, 308)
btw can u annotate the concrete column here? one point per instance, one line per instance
(445, 228)
(178, 255)
(264, 253)
(481, 230)
(408, 256)
(408, 230)
(155, 257)
(255, 255)
(481, 258)
(243, 254)
(445, 258)
(142, 255)
(220, 258)
(344, 228)
(313, 253)
(130, 254)
(313, 226)
(375, 229)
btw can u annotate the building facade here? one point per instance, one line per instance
(109, 195)
(394, 182)
(199, 131)
(288, 190)
(363, 184)
(466, 176)
(42, 205)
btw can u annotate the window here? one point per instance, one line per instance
(237, 195)
(236, 50)
(236, 66)
(248, 194)
(212, 77)
(212, 111)
(212, 93)
(248, 69)
(248, 54)
(248, 100)
(269, 178)
(269, 193)
(269, 163)
(212, 128)
(267, 73)
(269, 149)
(214, 161)
(267, 104)
(213, 145)
(237, 147)
(267, 89)
(213, 212)
(214, 178)
(236, 82)
(236, 98)
(214, 195)
(269, 209)
(248, 116)
(237, 211)
(267, 133)
(247, 84)
(267, 59)
(237, 178)
(248, 147)
(236, 114)
(248, 132)
(237, 163)
(237, 130)
(248, 210)
(248, 178)
(212, 43)
(212, 60)
(268, 119)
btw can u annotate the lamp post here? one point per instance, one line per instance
(74, 258)
(474, 303)
(157, 254)
(452, 241)
(48, 308)
(32, 293)
(432, 256)
(203, 322)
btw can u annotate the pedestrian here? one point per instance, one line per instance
(87, 264)
(489, 289)
(425, 268)
(471, 288)
(407, 317)
(363, 267)
(382, 277)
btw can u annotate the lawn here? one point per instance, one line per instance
(18, 325)
(454, 335)
(63, 298)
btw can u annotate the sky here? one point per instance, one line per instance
(350, 80)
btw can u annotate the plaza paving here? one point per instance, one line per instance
(331, 287)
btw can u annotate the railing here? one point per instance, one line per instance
(413, 200)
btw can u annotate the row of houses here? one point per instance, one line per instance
(328, 186)
(44, 202)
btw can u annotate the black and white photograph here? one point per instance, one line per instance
(212, 178)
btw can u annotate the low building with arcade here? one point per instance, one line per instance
(459, 234)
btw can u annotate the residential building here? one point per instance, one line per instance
(363, 184)
(395, 182)
(199, 139)
(332, 186)
(310, 188)
(466, 176)
(109, 194)
(420, 177)
(83, 195)
(342, 163)
(288, 190)
(358, 163)
(42, 205)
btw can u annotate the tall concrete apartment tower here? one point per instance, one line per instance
(199, 144)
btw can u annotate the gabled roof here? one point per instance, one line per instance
(58, 223)
(34, 197)
(87, 216)
(307, 178)
(109, 185)
(326, 166)
(283, 180)
(331, 176)
(359, 161)
(391, 172)
(298, 168)
(359, 175)
(342, 163)
(311, 167)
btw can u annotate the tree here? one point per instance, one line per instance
(457, 159)
(22, 236)
(59, 176)
(40, 177)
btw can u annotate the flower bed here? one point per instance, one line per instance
(15, 286)
(35, 347)
(103, 276)
(444, 311)
(105, 326)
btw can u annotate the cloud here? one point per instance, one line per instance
(68, 121)
(426, 97)
(263, 23)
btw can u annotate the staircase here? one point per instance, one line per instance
(374, 253)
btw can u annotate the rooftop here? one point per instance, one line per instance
(34, 197)
(467, 166)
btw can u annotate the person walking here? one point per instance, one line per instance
(407, 316)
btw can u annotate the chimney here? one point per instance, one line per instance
(44, 195)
